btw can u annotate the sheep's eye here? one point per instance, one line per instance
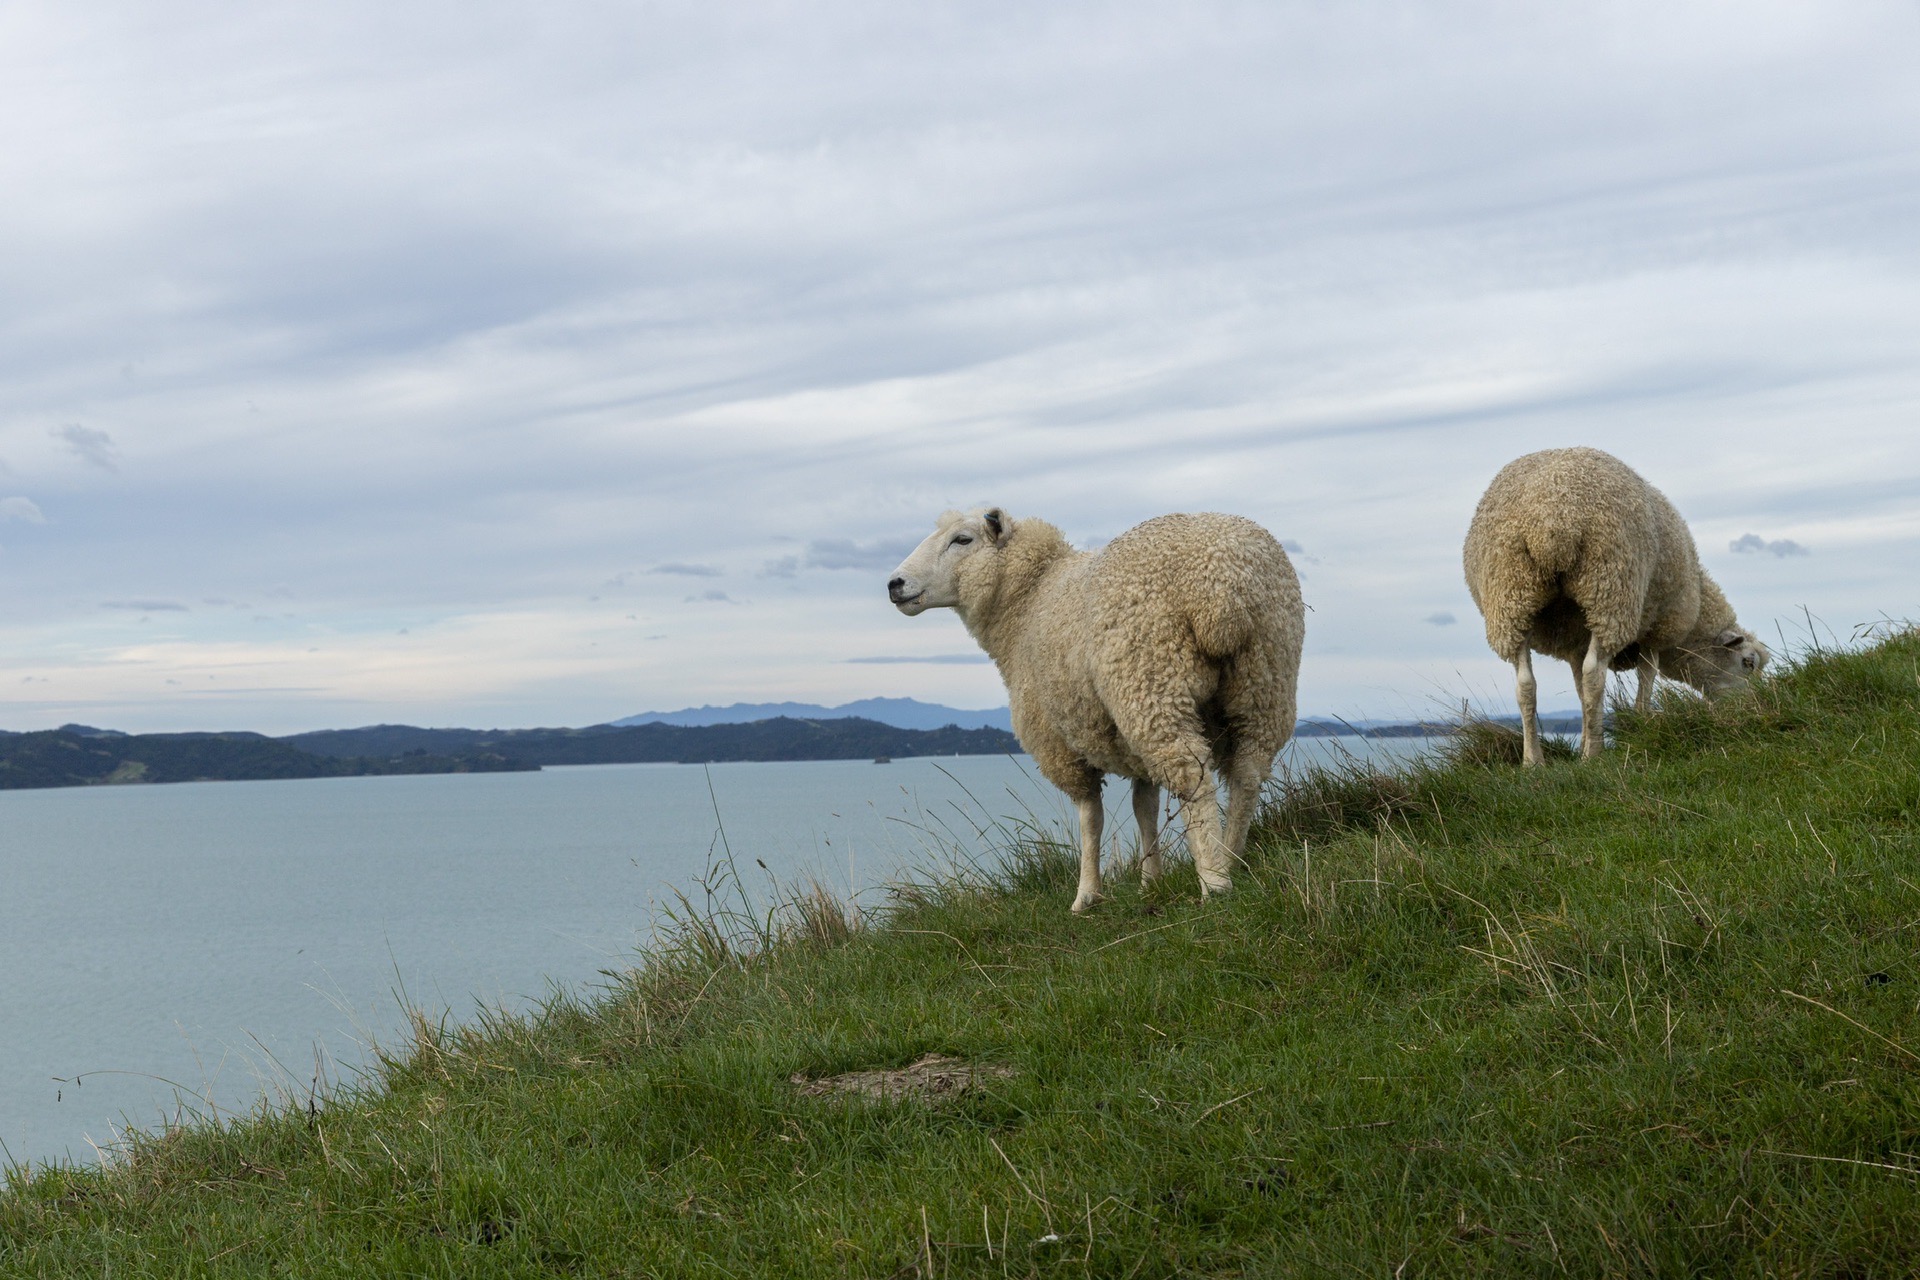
(962, 540)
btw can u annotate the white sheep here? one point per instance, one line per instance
(1170, 652)
(1573, 554)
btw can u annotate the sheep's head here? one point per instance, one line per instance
(1727, 662)
(935, 575)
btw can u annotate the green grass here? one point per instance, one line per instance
(1655, 1016)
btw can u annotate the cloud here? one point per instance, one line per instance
(784, 567)
(1297, 551)
(1443, 618)
(685, 570)
(22, 509)
(145, 606)
(845, 553)
(89, 445)
(711, 597)
(1754, 544)
(937, 659)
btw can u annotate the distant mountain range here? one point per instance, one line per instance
(1561, 722)
(901, 713)
(911, 713)
(776, 738)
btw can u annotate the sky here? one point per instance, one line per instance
(510, 364)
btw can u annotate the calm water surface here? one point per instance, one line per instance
(199, 944)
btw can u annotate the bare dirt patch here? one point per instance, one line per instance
(931, 1078)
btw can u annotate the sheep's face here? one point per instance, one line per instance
(1726, 665)
(933, 576)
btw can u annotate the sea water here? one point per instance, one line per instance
(178, 951)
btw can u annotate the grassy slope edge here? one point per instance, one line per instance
(1655, 1016)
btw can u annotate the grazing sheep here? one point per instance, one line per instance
(1171, 651)
(1573, 554)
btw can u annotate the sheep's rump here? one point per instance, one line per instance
(1569, 542)
(1200, 613)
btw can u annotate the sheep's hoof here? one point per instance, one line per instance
(1086, 901)
(1214, 886)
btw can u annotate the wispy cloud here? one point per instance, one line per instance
(145, 606)
(1754, 544)
(89, 445)
(1444, 618)
(711, 597)
(683, 569)
(21, 509)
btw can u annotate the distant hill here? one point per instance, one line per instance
(901, 713)
(91, 757)
(80, 755)
(66, 758)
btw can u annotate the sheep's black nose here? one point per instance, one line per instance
(893, 587)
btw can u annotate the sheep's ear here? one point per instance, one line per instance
(1731, 638)
(997, 524)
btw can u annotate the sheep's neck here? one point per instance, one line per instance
(1035, 552)
(1683, 662)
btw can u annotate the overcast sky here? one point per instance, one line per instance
(542, 364)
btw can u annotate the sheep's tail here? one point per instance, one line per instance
(1553, 545)
(1225, 626)
(1246, 609)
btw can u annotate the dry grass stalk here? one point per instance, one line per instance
(932, 1077)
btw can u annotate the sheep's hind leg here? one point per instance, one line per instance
(1591, 676)
(1182, 766)
(1526, 691)
(1649, 670)
(1243, 794)
(1146, 814)
(1092, 822)
(1202, 810)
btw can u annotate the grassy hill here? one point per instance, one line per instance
(1653, 1016)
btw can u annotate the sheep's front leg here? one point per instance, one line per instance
(1146, 815)
(1526, 690)
(1591, 676)
(1092, 820)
